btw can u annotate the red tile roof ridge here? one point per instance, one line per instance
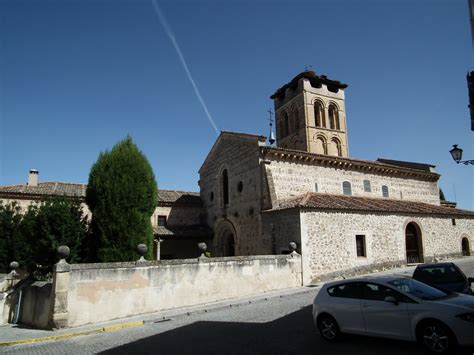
(366, 204)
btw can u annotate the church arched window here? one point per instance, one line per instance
(337, 146)
(319, 119)
(385, 191)
(286, 127)
(347, 188)
(333, 117)
(321, 146)
(225, 187)
(296, 120)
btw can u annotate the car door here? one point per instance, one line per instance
(382, 318)
(345, 306)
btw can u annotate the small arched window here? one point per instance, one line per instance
(296, 120)
(225, 187)
(319, 119)
(347, 188)
(385, 191)
(333, 117)
(286, 127)
(321, 146)
(337, 146)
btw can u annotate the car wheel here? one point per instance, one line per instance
(328, 327)
(436, 337)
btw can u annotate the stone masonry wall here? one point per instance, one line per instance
(102, 292)
(240, 156)
(178, 215)
(293, 179)
(328, 242)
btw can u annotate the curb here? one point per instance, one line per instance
(73, 335)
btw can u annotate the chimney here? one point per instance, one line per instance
(33, 177)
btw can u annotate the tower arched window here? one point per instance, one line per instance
(347, 188)
(334, 117)
(319, 119)
(321, 146)
(286, 127)
(296, 120)
(337, 147)
(225, 187)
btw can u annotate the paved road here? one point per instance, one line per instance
(277, 325)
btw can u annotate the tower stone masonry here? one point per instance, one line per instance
(311, 115)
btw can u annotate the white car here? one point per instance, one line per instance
(395, 307)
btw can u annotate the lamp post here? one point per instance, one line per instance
(456, 153)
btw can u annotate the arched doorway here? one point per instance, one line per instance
(466, 250)
(225, 239)
(413, 244)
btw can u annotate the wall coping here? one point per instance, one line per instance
(158, 263)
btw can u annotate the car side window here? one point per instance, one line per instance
(376, 292)
(346, 290)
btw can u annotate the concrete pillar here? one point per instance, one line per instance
(61, 280)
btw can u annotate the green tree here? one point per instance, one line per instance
(13, 246)
(57, 221)
(121, 194)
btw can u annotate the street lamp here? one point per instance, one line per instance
(456, 153)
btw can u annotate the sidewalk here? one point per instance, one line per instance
(12, 334)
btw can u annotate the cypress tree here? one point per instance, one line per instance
(121, 194)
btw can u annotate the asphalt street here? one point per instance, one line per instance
(280, 324)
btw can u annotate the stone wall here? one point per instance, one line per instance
(102, 292)
(239, 154)
(328, 243)
(293, 179)
(178, 215)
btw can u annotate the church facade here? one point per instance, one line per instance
(345, 215)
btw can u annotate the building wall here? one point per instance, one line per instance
(240, 156)
(117, 290)
(178, 215)
(293, 179)
(328, 241)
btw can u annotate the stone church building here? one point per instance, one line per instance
(346, 215)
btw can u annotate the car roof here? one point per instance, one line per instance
(430, 265)
(370, 278)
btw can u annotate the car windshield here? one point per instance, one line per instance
(418, 289)
(439, 275)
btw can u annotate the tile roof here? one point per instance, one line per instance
(315, 80)
(319, 201)
(407, 164)
(179, 197)
(79, 190)
(46, 188)
(194, 231)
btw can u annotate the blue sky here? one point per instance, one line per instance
(76, 76)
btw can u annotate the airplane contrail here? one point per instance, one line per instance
(172, 38)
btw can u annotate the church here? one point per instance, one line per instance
(345, 215)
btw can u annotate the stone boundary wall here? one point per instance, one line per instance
(90, 293)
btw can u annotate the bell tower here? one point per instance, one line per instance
(310, 115)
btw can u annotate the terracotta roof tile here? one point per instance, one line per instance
(321, 201)
(79, 190)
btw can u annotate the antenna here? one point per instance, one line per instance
(271, 138)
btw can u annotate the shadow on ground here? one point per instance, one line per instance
(292, 334)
